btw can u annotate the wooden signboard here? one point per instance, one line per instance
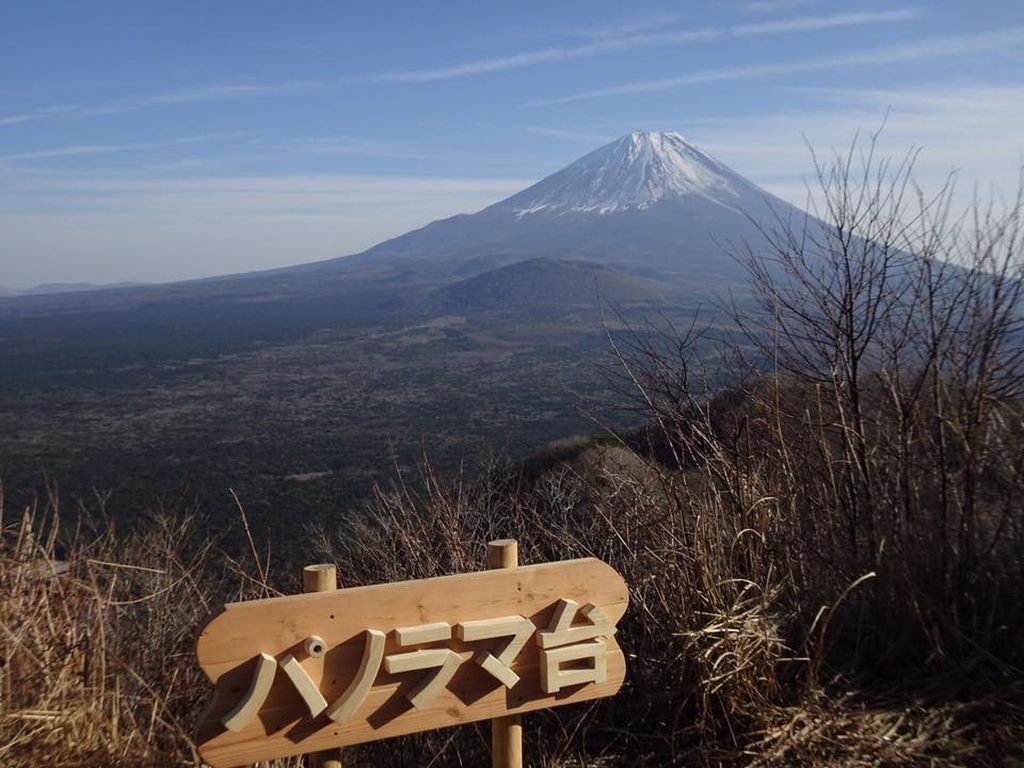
(310, 672)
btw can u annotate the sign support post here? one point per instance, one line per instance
(322, 578)
(506, 732)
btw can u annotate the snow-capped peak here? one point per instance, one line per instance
(635, 172)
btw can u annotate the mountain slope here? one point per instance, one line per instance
(634, 172)
(540, 283)
(645, 201)
(478, 332)
(649, 205)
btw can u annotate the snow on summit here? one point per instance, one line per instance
(632, 172)
(644, 201)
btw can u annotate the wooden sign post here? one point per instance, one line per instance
(322, 578)
(506, 732)
(307, 673)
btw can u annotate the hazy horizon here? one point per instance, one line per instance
(150, 144)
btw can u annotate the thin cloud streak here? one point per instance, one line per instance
(930, 48)
(814, 23)
(93, 229)
(193, 95)
(957, 126)
(250, 152)
(627, 26)
(542, 56)
(104, 149)
(771, 6)
(229, 91)
(268, 188)
(594, 139)
(38, 114)
(348, 146)
(646, 40)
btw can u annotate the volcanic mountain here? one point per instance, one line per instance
(649, 204)
(647, 216)
(299, 385)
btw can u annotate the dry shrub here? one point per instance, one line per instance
(825, 561)
(728, 663)
(98, 631)
(726, 659)
(851, 733)
(704, 646)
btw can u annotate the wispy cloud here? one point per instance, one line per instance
(351, 146)
(771, 6)
(627, 26)
(543, 56)
(922, 49)
(246, 150)
(330, 193)
(106, 149)
(645, 40)
(95, 228)
(75, 151)
(581, 137)
(967, 126)
(815, 23)
(209, 92)
(615, 37)
(39, 114)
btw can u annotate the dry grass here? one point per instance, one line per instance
(97, 634)
(825, 561)
(729, 664)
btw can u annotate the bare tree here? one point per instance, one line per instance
(906, 323)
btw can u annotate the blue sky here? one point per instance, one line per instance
(159, 141)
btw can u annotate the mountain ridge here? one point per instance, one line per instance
(543, 282)
(646, 200)
(634, 171)
(649, 205)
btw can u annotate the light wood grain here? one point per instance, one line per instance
(506, 731)
(563, 632)
(553, 677)
(279, 626)
(315, 646)
(259, 688)
(346, 705)
(517, 629)
(423, 633)
(445, 662)
(322, 577)
(314, 700)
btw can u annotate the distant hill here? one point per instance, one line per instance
(543, 282)
(46, 289)
(649, 205)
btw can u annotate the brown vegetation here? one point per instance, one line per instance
(825, 560)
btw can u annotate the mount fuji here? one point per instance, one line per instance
(634, 172)
(649, 205)
(299, 385)
(648, 217)
(646, 220)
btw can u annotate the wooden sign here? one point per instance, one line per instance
(309, 672)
